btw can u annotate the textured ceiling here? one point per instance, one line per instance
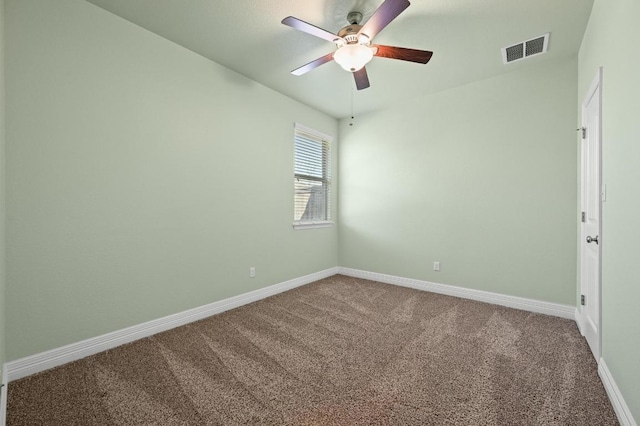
(465, 35)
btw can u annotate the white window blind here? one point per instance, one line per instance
(312, 179)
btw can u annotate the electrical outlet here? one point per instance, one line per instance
(436, 266)
(252, 272)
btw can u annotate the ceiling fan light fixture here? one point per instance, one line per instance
(353, 57)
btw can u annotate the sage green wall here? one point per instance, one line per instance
(611, 40)
(2, 195)
(142, 179)
(481, 178)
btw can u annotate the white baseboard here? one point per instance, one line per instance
(615, 396)
(3, 397)
(538, 306)
(45, 360)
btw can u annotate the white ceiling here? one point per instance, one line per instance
(465, 35)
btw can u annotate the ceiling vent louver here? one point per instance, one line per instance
(525, 49)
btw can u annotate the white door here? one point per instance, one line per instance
(591, 238)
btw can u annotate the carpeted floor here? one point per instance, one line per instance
(341, 351)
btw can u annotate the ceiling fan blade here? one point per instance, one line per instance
(387, 12)
(362, 79)
(313, 64)
(402, 53)
(309, 29)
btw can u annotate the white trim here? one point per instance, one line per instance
(325, 137)
(578, 318)
(45, 360)
(538, 306)
(311, 225)
(3, 397)
(617, 400)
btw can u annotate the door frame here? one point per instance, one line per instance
(596, 85)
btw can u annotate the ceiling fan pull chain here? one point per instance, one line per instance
(351, 124)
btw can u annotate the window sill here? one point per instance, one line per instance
(311, 225)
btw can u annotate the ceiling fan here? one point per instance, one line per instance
(354, 42)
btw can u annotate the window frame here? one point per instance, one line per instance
(326, 179)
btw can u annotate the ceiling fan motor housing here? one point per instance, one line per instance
(349, 35)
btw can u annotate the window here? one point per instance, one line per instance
(312, 178)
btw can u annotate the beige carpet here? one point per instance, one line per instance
(340, 351)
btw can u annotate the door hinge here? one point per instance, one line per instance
(583, 216)
(582, 300)
(584, 132)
